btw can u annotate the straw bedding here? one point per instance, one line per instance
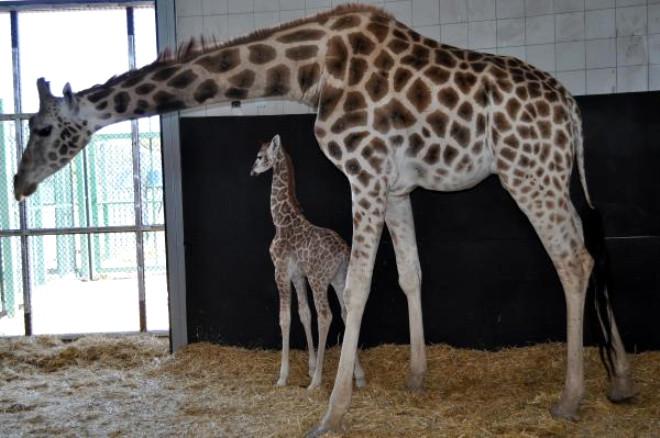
(130, 386)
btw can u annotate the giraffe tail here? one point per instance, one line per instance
(578, 145)
(594, 240)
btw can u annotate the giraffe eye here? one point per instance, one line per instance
(44, 132)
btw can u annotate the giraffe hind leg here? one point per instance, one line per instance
(338, 284)
(558, 226)
(306, 319)
(613, 353)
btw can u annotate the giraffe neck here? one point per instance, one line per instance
(282, 64)
(284, 205)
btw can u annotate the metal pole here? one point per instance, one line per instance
(79, 230)
(25, 257)
(137, 182)
(172, 196)
(90, 265)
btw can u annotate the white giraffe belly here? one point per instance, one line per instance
(410, 173)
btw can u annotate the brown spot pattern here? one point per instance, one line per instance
(301, 35)
(349, 120)
(380, 31)
(183, 79)
(277, 81)
(244, 79)
(401, 78)
(376, 86)
(336, 55)
(356, 70)
(301, 53)
(353, 140)
(308, 75)
(354, 101)
(360, 43)
(448, 97)
(437, 74)
(438, 121)
(221, 62)
(419, 95)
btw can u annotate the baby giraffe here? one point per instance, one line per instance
(300, 249)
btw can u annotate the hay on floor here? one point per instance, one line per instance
(130, 386)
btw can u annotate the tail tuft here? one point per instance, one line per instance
(594, 239)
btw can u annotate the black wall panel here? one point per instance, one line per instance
(487, 281)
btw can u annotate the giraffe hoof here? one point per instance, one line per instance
(563, 410)
(622, 390)
(415, 382)
(322, 429)
(281, 382)
(360, 382)
(314, 386)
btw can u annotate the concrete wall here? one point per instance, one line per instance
(592, 46)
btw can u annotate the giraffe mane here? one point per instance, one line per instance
(196, 46)
(192, 48)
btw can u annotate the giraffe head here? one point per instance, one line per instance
(266, 156)
(57, 133)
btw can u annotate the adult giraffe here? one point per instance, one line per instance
(395, 111)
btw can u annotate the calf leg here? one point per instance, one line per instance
(324, 318)
(305, 319)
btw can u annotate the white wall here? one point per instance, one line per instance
(592, 46)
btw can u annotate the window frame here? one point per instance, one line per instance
(138, 227)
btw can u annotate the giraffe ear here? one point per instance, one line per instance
(276, 142)
(69, 98)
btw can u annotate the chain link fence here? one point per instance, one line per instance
(76, 279)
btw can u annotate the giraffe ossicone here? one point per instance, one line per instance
(301, 250)
(396, 111)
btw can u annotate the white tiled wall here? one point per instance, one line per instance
(592, 46)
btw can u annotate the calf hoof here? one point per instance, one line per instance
(415, 382)
(314, 386)
(622, 390)
(360, 382)
(281, 382)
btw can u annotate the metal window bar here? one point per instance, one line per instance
(25, 231)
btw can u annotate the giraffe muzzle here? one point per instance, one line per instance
(21, 189)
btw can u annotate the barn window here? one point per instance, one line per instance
(86, 252)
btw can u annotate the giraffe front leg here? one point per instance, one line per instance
(306, 320)
(400, 224)
(367, 228)
(284, 288)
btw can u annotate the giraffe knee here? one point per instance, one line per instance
(575, 269)
(285, 320)
(410, 279)
(305, 315)
(325, 316)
